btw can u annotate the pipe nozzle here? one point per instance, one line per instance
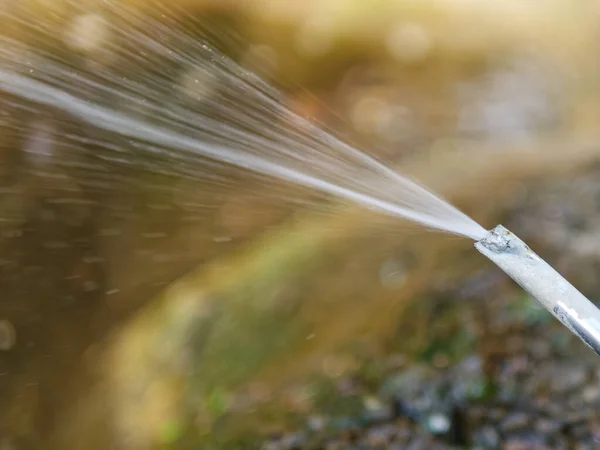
(543, 283)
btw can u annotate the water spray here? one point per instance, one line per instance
(544, 284)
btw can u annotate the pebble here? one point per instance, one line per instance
(590, 394)
(380, 436)
(496, 414)
(547, 426)
(316, 423)
(515, 422)
(487, 437)
(523, 444)
(337, 445)
(438, 423)
(568, 378)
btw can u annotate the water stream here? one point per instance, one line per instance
(203, 105)
(133, 151)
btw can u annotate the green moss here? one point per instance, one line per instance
(171, 432)
(217, 402)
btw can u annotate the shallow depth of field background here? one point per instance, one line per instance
(302, 322)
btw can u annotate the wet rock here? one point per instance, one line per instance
(487, 437)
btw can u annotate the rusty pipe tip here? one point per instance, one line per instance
(501, 240)
(543, 283)
(497, 239)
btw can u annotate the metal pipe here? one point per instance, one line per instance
(544, 284)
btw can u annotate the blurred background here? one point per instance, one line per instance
(143, 309)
